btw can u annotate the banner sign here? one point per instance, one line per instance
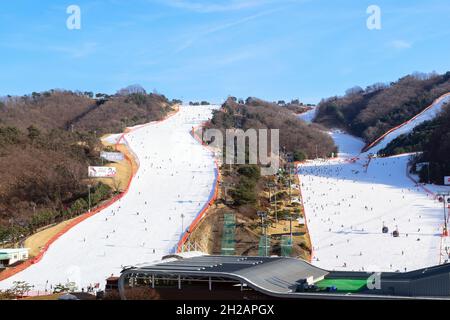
(101, 172)
(447, 181)
(112, 156)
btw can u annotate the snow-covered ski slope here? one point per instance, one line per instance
(309, 115)
(176, 176)
(428, 114)
(346, 206)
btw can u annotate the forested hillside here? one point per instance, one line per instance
(432, 138)
(47, 110)
(47, 141)
(370, 112)
(80, 112)
(303, 140)
(416, 141)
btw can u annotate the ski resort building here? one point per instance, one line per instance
(237, 277)
(11, 256)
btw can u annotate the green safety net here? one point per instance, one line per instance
(286, 246)
(228, 237)
(264, 246)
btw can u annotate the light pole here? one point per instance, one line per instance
(266, 253)
(182, 223)
(263, 215)
(89, 197)
(276, 210)
(290, 182)
(226, 187)
(273, 186)
(290, 226)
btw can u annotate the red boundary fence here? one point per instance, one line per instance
(438, 100)
(419, 185)
(367, 147)
(10, 272)
(213, 197)
(434, 195)
(304, 213)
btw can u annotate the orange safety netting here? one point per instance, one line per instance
(12, 271)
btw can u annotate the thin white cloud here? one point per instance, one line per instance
(192, 39)
(73, 51)
(219, 6)
(400, 44)
(81, 51)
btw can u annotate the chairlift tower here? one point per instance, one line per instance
(445, 197)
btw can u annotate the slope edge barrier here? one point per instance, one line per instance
(374, 143)
(211, 199)
(13, 271)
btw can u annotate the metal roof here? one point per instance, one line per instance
(417, 274)
(272, 274)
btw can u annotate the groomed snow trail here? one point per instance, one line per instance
(428, 114)
(346, 206)
(176, 176)
(309, 115)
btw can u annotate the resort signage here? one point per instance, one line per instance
(112, 156)
(101, 172)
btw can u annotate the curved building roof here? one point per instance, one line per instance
(270, 274)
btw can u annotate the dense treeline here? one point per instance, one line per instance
(47, 110)
(301, 139)
(47, 141)
(43, 177)
(436, 150)
(416, 141)
(371, 112)
(123, 111)
(245, 192)
(79, 112)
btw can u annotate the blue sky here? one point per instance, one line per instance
(206, 49)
